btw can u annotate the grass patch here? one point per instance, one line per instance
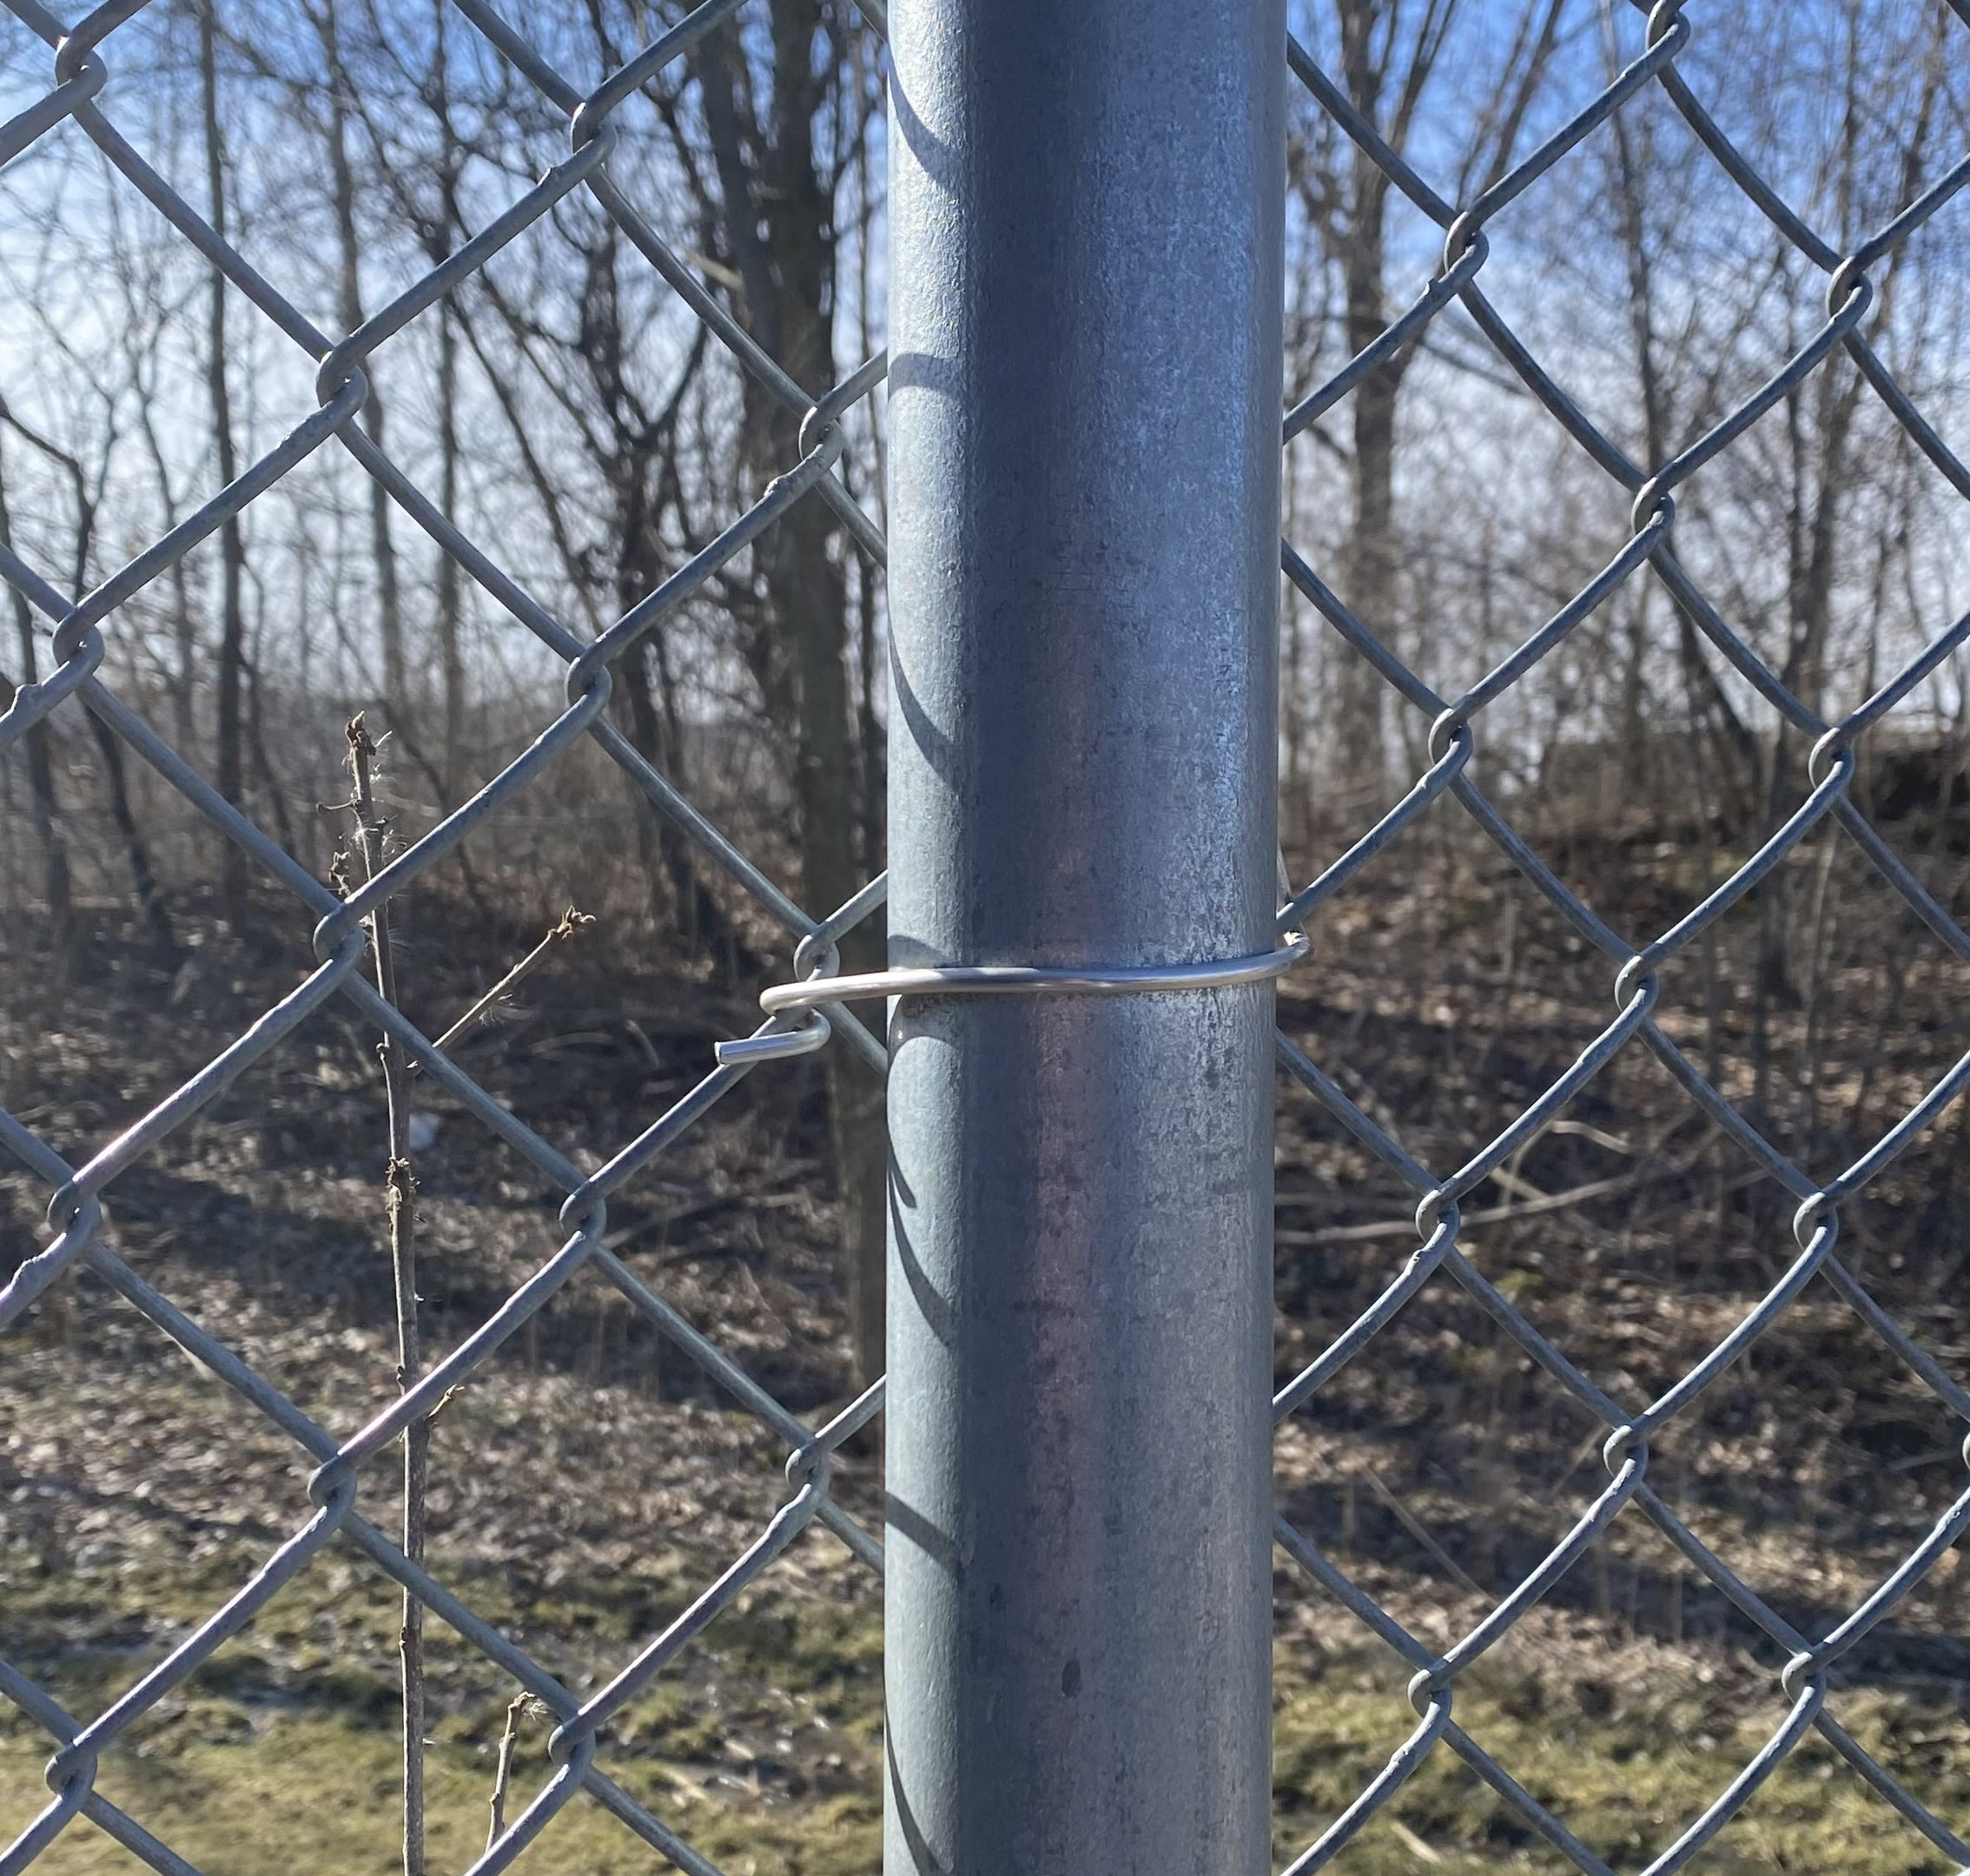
(765, 1752)
(241, 1795)
(1627, 1771)
(761, 1748)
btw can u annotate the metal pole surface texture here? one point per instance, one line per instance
(1085, 235)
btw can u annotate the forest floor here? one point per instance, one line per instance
(590, 1481)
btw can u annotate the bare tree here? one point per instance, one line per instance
(231, 544)
(389, 599)
(1391, 53)
(775, 196)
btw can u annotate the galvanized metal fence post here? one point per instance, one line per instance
(1085, 371)
(1086, 223)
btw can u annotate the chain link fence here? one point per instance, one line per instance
(1631, 1425)
(81, 100)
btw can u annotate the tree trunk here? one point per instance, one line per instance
(143, 876)
(451, 651)
(451, 654)
(1360, 734)
(389, 603)
(42, 805)
(1712, 717)
(1358, 742)
(232, 546)
(809, 603)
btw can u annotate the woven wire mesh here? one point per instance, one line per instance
(1453, 723)
(341, 940)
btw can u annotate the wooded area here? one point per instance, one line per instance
(564, 404)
